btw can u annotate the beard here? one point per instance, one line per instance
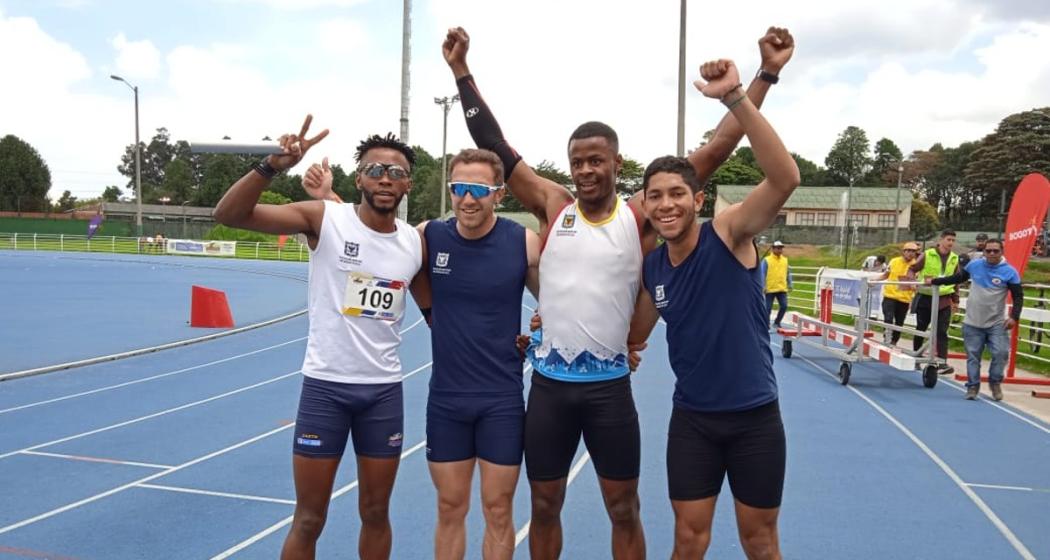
(369, 199)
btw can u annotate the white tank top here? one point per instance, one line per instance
(589, 277)
(358, 291)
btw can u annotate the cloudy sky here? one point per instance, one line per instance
(915, 71)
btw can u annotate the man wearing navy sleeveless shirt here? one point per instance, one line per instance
(479, 265)
(706, 283)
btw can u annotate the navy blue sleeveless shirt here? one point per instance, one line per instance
(477, 286)
(717, 326)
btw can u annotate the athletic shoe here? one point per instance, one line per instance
(997, 391)
(945, 370)
(971, 393)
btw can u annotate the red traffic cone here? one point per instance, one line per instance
(209, 309)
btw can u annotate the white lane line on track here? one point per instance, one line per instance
(132, 484)
(170, 373)
(524, 531)
(1001, 487)
(97, 460)
(981, 505)
(217, 494)
(962, 389)
(287, 520)
(141, 351)
(151, 378)
(149, 416)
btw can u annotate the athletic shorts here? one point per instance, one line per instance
(603, 412)
(749, 446)
(491, 428)
(328, 411)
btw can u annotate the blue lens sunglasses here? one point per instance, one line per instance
(477, 190)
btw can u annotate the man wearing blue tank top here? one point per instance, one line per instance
(478, 266)
(590, 275)
(706, 283)
(361, 260)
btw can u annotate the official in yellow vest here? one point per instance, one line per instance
(896, 300)
(936, 262)
(777, 274)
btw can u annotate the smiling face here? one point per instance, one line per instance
(671, 205)
(383, 193)
(993, 252)
(593, 163)
(475, 214)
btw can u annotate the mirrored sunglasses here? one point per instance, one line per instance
(392, 170)
(477, 190)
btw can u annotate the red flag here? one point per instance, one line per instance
(280, 241)
(1027, 212)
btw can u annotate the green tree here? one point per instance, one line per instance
(66, 202)
(111, 194)
(24, 177)
(848, 161)
(424, 200)
(270, 197)
(630, 179)
(220, 173)
(924, 220)
(1020, 145)
(812, 174)
(178, 180)
(888, 158)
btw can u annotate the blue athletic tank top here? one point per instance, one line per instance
(717, 326)
(477, 286)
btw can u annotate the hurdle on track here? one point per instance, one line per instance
(854, 344)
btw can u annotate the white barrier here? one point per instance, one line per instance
(191, 247)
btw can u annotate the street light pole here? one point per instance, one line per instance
(446, 105)
(849, 222)
(681, 80)
(138, 157)
(184, 219)
(897, 214)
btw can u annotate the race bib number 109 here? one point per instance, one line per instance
(373, 297)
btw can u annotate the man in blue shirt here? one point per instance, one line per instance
(706, 283)
(986, 323)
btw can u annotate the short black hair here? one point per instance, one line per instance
(948, 232)
(592, 129)
(389, 141)
(996, 240)
(982, 237)
(880, 258)
(672, 164)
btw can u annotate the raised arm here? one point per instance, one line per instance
(776, 48)
(240, 206)
(532, 252)
(542, 197)
(740, 223)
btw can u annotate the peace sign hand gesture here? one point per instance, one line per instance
(295, 146)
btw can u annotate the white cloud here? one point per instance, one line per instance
(301, 4)
(136, 59)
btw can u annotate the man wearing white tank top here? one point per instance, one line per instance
(590, 272)
(362, 260)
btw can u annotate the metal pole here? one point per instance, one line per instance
(406, 59)
(184, 219)
(849, 207)
(138, 167)
(446, 105)
(897, 214)
(681, 81)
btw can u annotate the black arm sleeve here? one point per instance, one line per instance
(483, 126)
(957, 278)
(1018, 296)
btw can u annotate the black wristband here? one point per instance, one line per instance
(265, 169)
(767, 76)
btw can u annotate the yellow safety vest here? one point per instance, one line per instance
(932, 269)
(776, 274)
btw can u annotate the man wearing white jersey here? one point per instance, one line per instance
(362, 260)
(589, 278)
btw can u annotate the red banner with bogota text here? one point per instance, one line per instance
(1025, 220)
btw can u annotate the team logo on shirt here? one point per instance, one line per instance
(395, 440)
(568, 221)
(997, 281)
(351, 249)
(660, 296)
(441, 264)
(472, 111)
(309, 440)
